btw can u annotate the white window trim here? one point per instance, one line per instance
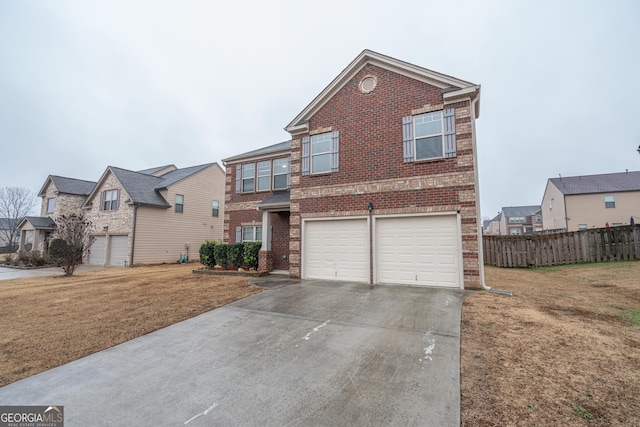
(258, 176)
(215, 208)
(113, 202)
(245, 178)
(312, 154)
(51, 204)
(179, 204)
(416, 138)
(274, 174)
(612, 199)
(257, 236)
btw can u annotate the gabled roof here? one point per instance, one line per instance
(154, 171)
(144, 189)
(39, 222)
(452, 88)
(65, 185)
(512, 211)
(497, 218)
(261, 152)
(174, 176)
(605, 183)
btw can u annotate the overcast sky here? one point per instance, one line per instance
(136, 84)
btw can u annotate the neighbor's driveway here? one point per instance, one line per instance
(302, 353)
(17, 273)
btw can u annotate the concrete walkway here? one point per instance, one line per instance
(302, 353)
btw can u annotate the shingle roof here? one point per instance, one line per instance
(140, 187)
(72, 185)
(261, 151)
(605, 183)
(151, 171)
(172, 177)
(41, 221)
(520, 210)
(278, 198)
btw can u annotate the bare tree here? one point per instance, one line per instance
(71, 241)
(15, 204)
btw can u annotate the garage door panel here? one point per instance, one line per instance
(96, 254)
(118, 247)
(422, 250)
(337, 250)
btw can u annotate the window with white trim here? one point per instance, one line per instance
(428, 135)
(252, 233)
(321, 153)
(110, 200)
(516, 219)
(609, 202)
(281, 173)
(179, 205)
(582, 226)
(264, 176)
(215, 208)
(51, 204)
(248, 177)
(515, 232)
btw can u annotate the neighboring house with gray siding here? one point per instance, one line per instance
(149, 216)
(591, 201)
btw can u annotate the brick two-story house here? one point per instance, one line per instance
(378, 183)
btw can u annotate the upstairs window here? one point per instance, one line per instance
(320, 153)
(264, 176)
(248, 177)
(179, 205)
(51, 204)
(516, 219)
(609, 202)
(215, 209)
(281, 173)
(110, 200)
(429, 136)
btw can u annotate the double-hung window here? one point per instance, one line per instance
(429, 136)
(179, 203)
(51, 204)
(248, 177)
(264, 176)
(321, 153)
(215, 208)
(516, 219)
(252, 233)
(281, 173)
(609, 202)
(110, 200)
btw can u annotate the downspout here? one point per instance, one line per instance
(133, 233)
(475, 167)
(474, 103)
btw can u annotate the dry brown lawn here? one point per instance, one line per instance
(48, 321)
(559, 352)
(562, 351)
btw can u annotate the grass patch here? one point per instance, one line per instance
(583, 413)
(632, 316)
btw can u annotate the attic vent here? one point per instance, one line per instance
(368, 84)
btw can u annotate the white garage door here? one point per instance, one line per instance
(96, 256)
(418, 250)
(336, 250)
(118, 250)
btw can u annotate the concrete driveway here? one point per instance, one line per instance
(303, 353)
(17, 273)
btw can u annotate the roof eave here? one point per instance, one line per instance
(249, 157)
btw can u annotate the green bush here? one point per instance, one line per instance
(235, 254)
(220, 252)
(57, 249)
(207, 253)
(250, 255)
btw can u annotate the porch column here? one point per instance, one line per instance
(23, 235)
(265, 260)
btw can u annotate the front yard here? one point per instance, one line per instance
(564, 350)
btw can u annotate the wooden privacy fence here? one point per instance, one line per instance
(594, 245)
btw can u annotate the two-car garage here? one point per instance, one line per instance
(113, 254)
(423, 250)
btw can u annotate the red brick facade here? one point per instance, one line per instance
(372, 168)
